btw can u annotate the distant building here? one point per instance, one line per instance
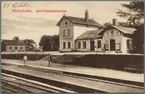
(72, 27)
(13, 45)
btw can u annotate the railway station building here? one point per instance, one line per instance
(84, 34)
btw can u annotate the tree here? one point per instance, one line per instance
(138, 39)
(16, 38)
(134, 13)
(30, 44)
(44, 43)
(49, 43)
(135, 19)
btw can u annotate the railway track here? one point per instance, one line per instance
(19, 84)
(64, 85)
(83, 76)
(88, 77)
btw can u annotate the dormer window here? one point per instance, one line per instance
(66, 23)
(112, 31)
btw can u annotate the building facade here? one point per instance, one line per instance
(72, 27)
(110, 39)
(84, 34)
(117, 39)
(13, 45)
(87, 41)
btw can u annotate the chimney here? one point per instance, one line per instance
(114, 22)
(86, 15)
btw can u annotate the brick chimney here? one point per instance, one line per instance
(114, 22)
(86, 15)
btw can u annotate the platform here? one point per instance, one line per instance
(122, 75)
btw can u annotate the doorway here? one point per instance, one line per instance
(112, 45)
(92, 45)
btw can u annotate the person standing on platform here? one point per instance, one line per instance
(25, 59)
(49, 60)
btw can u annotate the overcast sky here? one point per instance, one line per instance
(34, 25)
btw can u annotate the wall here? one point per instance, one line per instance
(83, 49)
(76, 30)
(117, 35)
(66, 38)
(3, 46)
(124, 44)
(96, 46)
(13, 48)
(88, 45)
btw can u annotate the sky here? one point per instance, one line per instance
(32, 25)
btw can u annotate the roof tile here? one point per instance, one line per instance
(93, 34)
(14, 42)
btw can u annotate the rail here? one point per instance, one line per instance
(44, 87)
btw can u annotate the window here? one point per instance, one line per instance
(118, 46)
(7, 47)
(64, 45)
(10, 47)
(63, 32)
(99, 43)
(129, 44)
(68, 32)
(16, 48)
(79, 44)
(84, 44)
(112, 31)
(106, 47)
(118, 33)
(69, 45)
(65, 23)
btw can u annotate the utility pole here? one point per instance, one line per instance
(36, 50)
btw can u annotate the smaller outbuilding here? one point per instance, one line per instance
(13, 45)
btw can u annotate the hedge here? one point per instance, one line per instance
(98, 60)
(20, 56)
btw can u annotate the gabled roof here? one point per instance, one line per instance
(124, 30)
(80, 21)
(14, 42)
(93, 34)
